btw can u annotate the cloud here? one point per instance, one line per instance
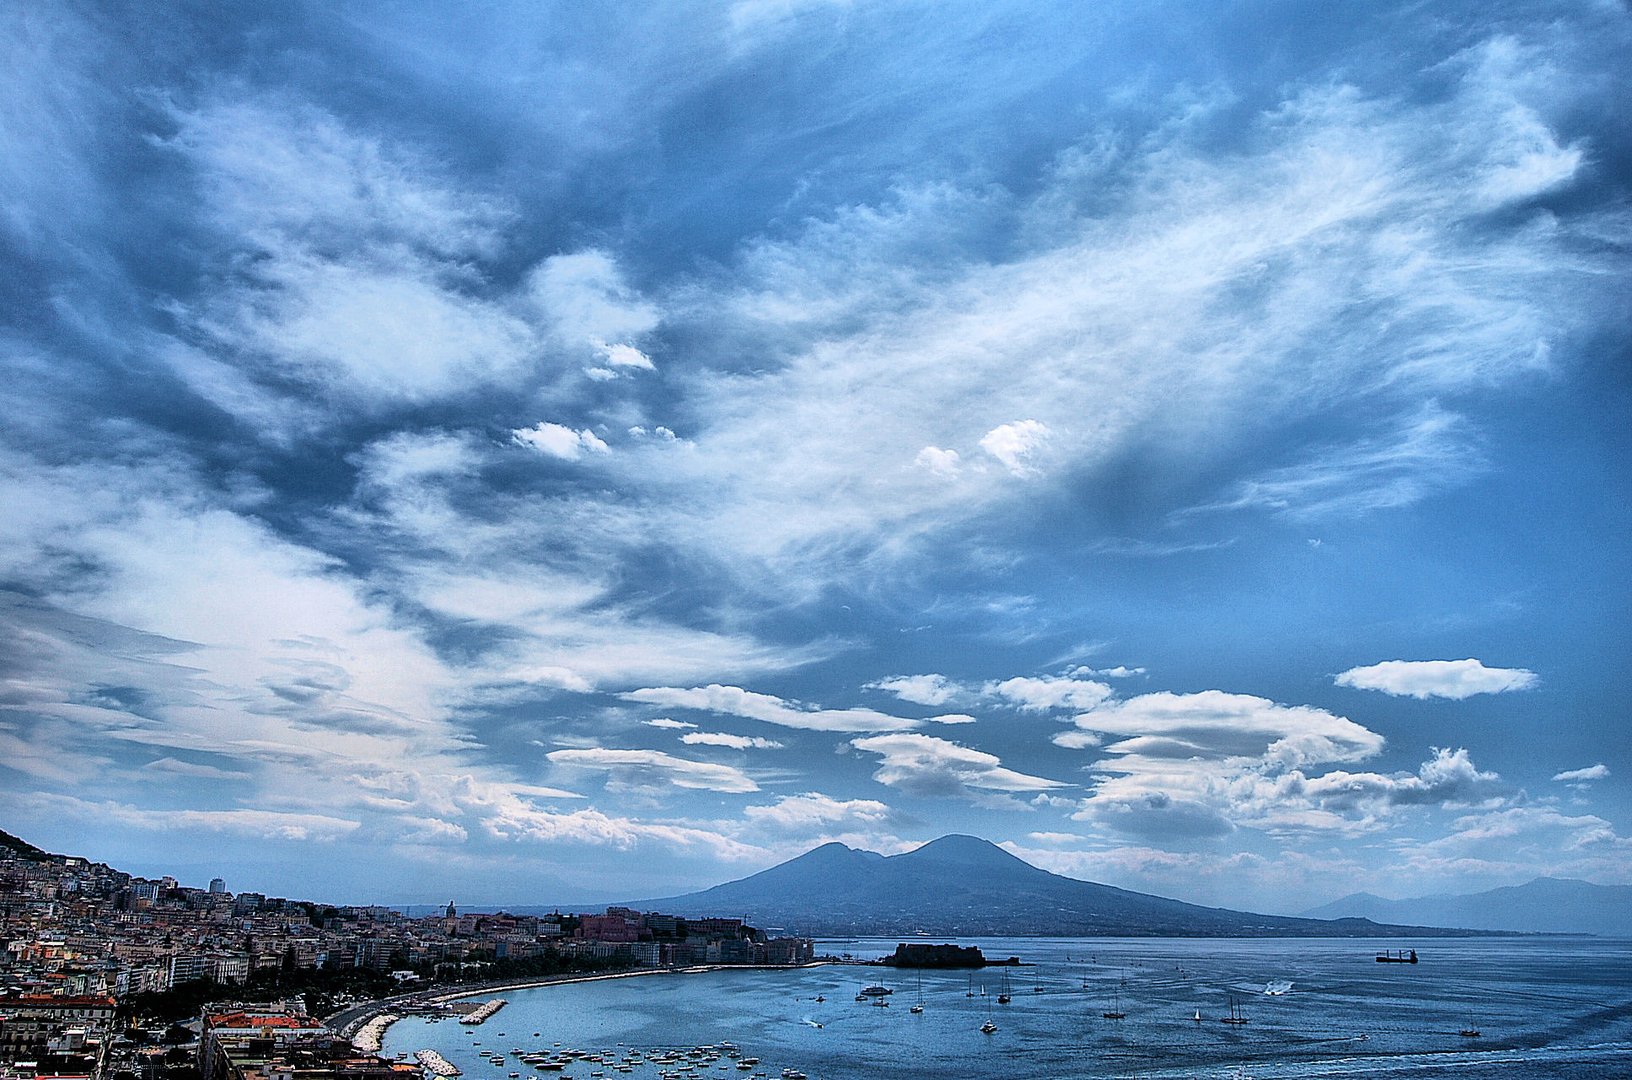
(1455, 679)
(169, 766)
(1591, 772)
(665, 722)
(1049, 692)
(1429, 450)
(1449, 778)
(925, 765)
(1014, 444)
(644, 768)
(735, 742)
(558, 441)
(1199, 765)
(735, 701)
(918, 689)
(938, 461)
(626, 356)
(950, 718)
(585, 295)
(813, 813)
(258, 824)
(349, 259)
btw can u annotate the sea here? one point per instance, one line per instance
(1544, 1007)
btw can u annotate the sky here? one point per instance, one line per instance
(533, 453)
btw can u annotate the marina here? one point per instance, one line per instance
(1547, 1007)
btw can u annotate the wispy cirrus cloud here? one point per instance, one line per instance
(735, 701)
(646, 767)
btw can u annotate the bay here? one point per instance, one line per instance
(1545, 1007)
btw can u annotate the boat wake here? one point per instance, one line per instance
(1277, 987)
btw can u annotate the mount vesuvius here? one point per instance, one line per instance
(962, 885)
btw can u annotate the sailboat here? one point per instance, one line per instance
(1197, 1017)
(971, 991)
(1235, 1016)
(1003, 997)
(1116, 1012)
(1036, 982)
(1470, 1032)
(918, 1006)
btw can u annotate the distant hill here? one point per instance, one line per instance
(962, 885)
(1545, 905)
(22, 848)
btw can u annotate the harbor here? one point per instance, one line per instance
(1307, 1005)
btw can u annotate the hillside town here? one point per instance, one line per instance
(109, 975)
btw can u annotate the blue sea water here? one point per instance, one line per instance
(1545, 1007)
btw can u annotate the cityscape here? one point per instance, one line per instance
(100, 967)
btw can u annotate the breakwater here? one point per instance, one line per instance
(435, 1064)
(372, 1034)
(483, 1011)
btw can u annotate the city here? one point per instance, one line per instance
(107, 976)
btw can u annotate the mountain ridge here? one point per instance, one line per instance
(964, 885)
(1542, 905)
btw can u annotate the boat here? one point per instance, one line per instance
(875, 991)
(1115, 1012)
(1235, 1016)
(918, 1006)
(988, 1028)
(1470, 1032)
(1197, 1017)
(1003, 996)
(1403, 956)
(820, 998)
(971, 991)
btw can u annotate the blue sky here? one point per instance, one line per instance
(559, 452)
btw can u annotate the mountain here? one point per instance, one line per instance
(1545, 905)
(962, 885)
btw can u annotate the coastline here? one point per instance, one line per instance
(375, 1012)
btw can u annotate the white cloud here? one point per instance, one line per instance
(813, 812)
(938, 461)
(1049, 692)
(626, 356)
(665, 722)
(1455, 679)
(350, 265)
(735, 742)
(559, 441)
(169, 767)
(258, 824)
(1591, 772)
(918, 689)
(735, 701)
(653, 767)
(950, 718)
(1014, 444)
(1425, 451)
(585, 295)
(1189, 765)
(925, 765)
